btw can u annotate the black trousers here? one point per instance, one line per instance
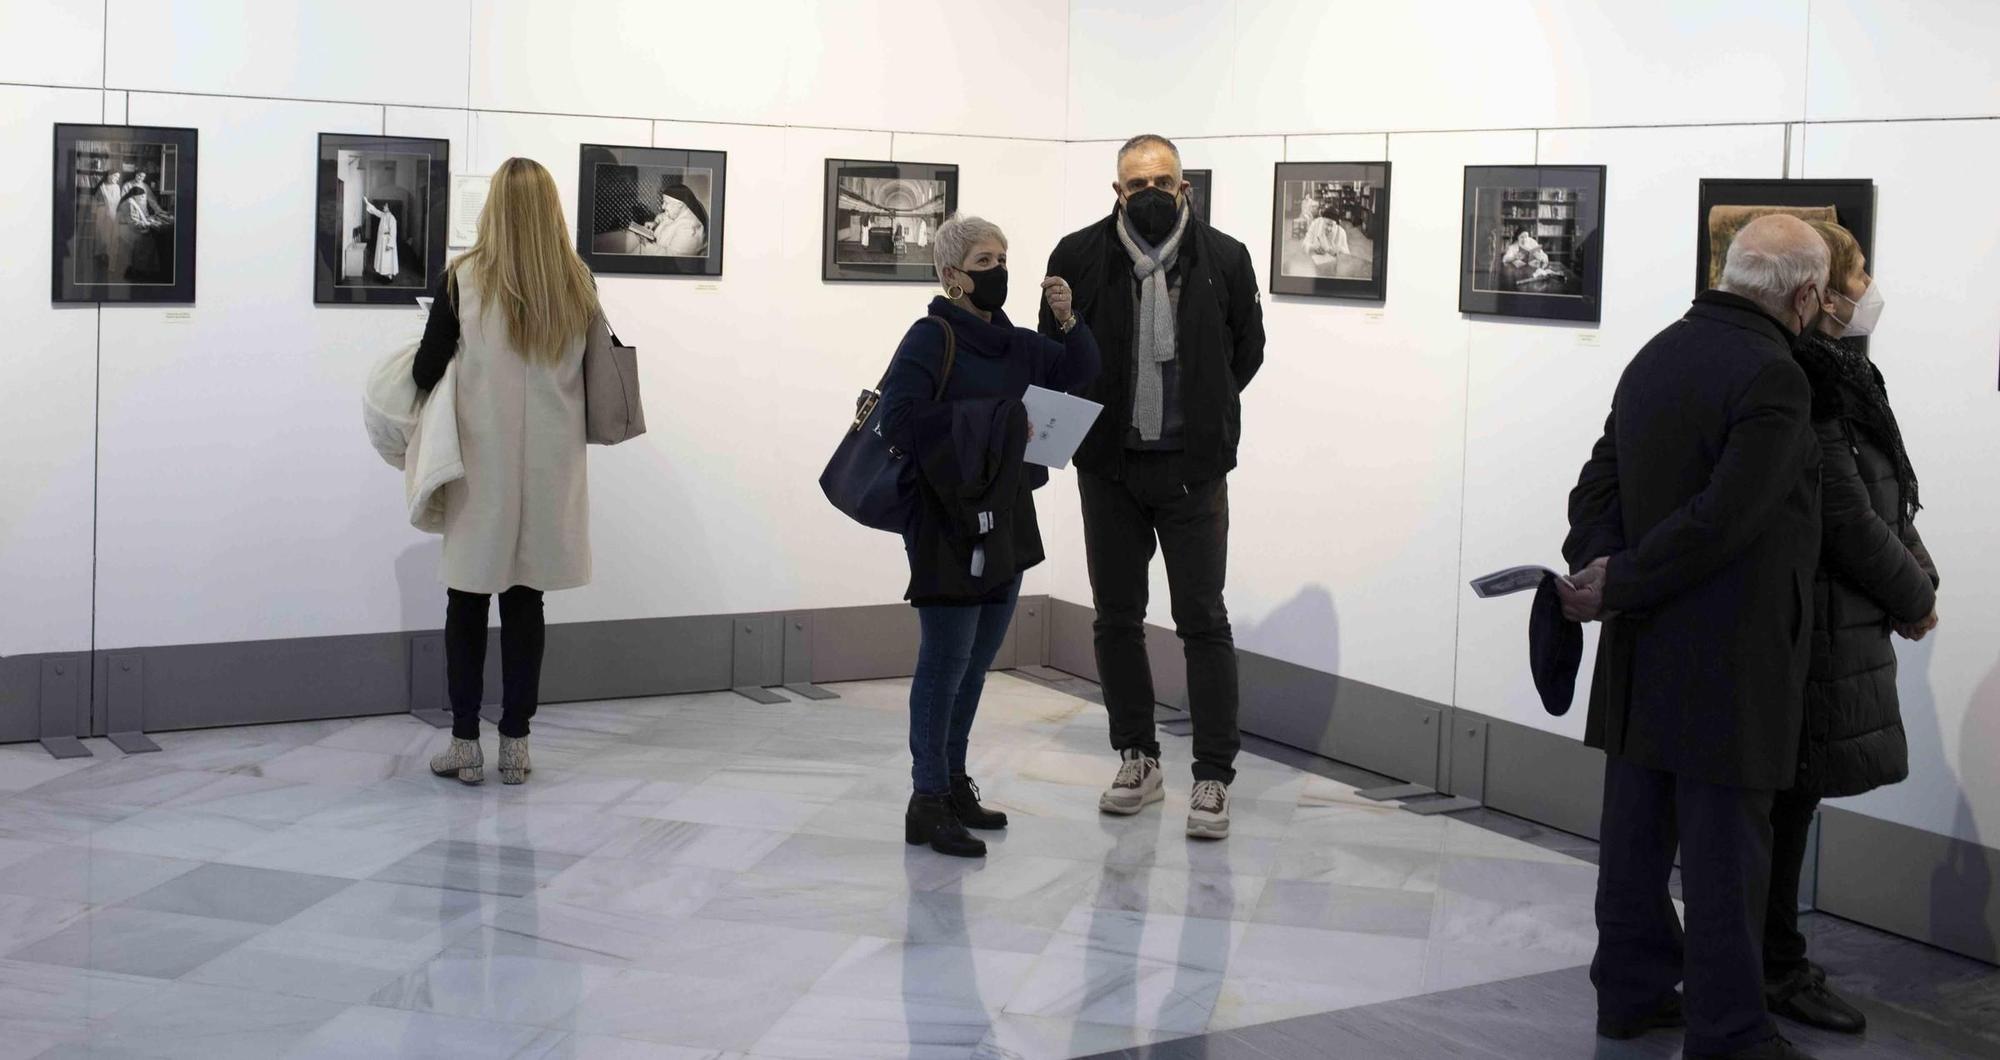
(521, 639)
(1724, 835)
(1122, 521)
(1784, 945)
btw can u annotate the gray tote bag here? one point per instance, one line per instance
(612, 411)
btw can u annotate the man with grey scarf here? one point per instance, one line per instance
(1175, 308)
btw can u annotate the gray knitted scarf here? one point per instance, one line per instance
(1153, 337)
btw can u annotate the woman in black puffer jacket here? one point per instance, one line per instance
(1875, 577)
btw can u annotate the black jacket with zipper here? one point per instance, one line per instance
(1219, 341)
(1874, 573)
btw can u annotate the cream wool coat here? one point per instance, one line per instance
(521, 514)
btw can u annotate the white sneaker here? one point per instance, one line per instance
(1137, 784)
(1208, 810)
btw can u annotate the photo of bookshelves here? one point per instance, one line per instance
(1532, 244)
(1532, 241)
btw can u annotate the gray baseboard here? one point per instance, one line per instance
(193, 686)
(1909, 881)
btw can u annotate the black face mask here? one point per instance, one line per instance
(989, 287)
(1153, 213)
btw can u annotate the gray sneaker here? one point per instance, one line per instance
(1137, 784)
(463, 759)
(1208, 810)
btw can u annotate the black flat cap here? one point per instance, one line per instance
(1555, 649)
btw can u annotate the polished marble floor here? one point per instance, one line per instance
(701, 876)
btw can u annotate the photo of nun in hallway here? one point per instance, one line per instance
(381, 218)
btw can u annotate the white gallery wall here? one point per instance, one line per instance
(1391, 452)
(213, 460)
(235, 496)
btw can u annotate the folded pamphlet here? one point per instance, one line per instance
(1510, 581)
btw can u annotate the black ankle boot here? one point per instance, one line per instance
(965, 803)
(931, 820)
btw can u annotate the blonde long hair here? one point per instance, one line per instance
(524, 264)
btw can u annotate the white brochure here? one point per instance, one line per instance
(1057, 423)
(1511, 580)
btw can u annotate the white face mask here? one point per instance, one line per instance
(1867, 311)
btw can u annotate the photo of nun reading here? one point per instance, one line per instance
(1329, 231)
(652, 211)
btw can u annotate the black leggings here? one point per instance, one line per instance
(521, 639)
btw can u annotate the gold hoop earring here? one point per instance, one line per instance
(954, 293)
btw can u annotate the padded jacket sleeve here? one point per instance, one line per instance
(1856, 545)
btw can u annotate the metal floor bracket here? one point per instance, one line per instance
(65, 747)
(1394, 792)
(759, 695)
(133, 743)
(1448, 804)
(810, 691)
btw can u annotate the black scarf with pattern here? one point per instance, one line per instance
(1847, 385)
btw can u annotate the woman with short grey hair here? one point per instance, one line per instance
(953, 403)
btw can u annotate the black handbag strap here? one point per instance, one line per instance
(950, 356)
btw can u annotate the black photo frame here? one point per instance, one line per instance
(1532, 242)
(381, 218)
(1852, 203)
(651, 211)
(1330, 229)
(880, 217)
(124, 214)
(1201, 191)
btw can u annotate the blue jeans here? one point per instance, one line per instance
(956, 650)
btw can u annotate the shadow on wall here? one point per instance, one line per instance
(417, 584)
(1303, 630)
(1964, 884)
(1961, 885)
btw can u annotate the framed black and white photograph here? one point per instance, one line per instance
(1201, 188)
(881, 217)
(1330, 229)
(382, 211)
(1728, 205)
(1533, 242)
(651, 211)
(124, 223)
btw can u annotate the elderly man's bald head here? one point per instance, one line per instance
(1780, 263)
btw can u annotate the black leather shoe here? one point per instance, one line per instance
(1806, 998)
(1666, 1017)
(930, 820)
(1769, 1049)
(965, 803)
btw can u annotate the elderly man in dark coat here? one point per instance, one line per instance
(1695, 532)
